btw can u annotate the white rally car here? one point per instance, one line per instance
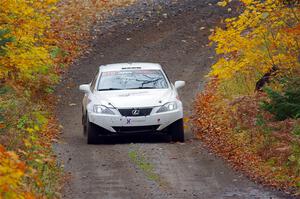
(132, 98)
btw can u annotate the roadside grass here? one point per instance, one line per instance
(145, 166)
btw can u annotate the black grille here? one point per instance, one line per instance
(136, 129)
(135, 112)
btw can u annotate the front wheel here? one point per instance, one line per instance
(84, 124)
(91, 132)
(177, 131)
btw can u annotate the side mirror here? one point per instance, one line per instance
(179, 84)
(85, 88)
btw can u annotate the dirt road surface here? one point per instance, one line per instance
(170, 33)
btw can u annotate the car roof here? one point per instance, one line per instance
(128, 66)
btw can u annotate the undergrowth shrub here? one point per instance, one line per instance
(28, 130)
(12, 170)
(248, 137)
(285, 104)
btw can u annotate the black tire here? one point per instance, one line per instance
(84, 130)
(177, 131)
(91, 132)
(84, 124)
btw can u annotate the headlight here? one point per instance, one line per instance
(102, 109)
(171, 106)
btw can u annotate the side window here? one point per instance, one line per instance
(168, 79)
(94, 82)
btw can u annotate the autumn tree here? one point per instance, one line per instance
(257, 132)
(22, 28)
(262, 40)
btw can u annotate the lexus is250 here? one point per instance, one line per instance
(131, 98)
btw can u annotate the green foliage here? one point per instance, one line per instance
(294, 158)
(4, 39)
(22, 122)
(4, 89)
(56, 52)
(260, 121)
(296, 130)
(32, 122)
(285, 104)
(49, 90)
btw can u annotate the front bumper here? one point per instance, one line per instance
(112, 123)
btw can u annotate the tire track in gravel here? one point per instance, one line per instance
(170, 35)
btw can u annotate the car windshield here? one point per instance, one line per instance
(132, 79)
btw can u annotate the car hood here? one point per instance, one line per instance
(134, 98)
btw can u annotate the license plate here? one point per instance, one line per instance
(132, 121)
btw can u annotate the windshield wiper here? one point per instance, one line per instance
(149, 81)
(109, 89)
(142, 87)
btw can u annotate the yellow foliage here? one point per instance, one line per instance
(262, 37)
(27, 55)
(11, 174)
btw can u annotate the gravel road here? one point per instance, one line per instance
(170, 33)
